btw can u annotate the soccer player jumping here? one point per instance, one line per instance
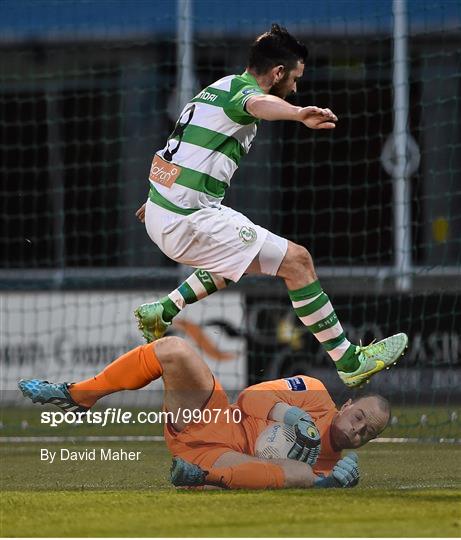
(185, 218)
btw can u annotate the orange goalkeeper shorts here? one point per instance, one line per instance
(204, 442)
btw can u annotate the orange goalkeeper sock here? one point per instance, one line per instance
(131, 371)
(253, 475)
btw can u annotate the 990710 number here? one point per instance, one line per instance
(211, 416)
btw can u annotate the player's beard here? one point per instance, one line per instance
(280, 89)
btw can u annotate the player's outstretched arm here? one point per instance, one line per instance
(269, 107)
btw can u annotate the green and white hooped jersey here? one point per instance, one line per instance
(212, 134)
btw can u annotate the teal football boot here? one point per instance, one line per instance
(183, 473)
(40, 391)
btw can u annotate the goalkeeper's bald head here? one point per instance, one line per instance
(359, 421)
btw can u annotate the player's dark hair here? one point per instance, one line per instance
(275, 48)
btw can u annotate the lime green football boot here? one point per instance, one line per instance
(150, 321)
(374, 358)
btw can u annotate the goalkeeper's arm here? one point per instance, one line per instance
(345, 474)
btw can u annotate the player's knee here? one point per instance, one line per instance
(301, 257)
(171, 350)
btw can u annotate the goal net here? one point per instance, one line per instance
(89, 91)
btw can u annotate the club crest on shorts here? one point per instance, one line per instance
(247, 235)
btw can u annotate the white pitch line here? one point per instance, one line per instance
(160, 438)
(82, 438)
(427, 486)
(414, 440)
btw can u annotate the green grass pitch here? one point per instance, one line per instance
(411, 489)
(406, 490)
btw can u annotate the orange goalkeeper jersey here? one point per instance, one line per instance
(301, 391)
(203, 443)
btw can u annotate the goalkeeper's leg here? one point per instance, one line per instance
(131, 371)
(187, 379)
(240, 471)
(233, 470)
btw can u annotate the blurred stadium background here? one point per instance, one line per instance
(90, 89)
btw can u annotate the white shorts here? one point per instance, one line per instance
(219, 240)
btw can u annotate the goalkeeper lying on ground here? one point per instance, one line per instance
(222, 452)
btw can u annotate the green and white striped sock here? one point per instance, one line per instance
(198, 285)
(314, 309)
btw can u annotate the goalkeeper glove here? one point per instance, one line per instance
(307, 444)
(344, 474)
